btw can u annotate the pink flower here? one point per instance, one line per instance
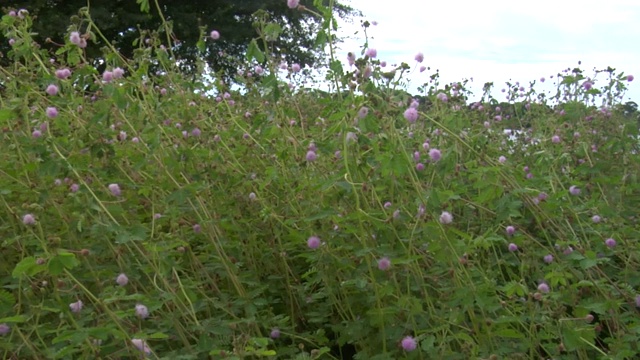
(543, 288)
(610, 243)
(74, 37)
(384, 264)
(52, 90)
(122, 279)
(29, 219)
(435, 154)
(419, 166)
(372, 53)
(423, 68)
(142, 311)
(409, 343)
(275, 333)
(548, 259)
(141, 345)
(215, 35)
(446, 218)
(63, 73)
(107, 76)
(513, 247)
(411, 114)
(4, 329)
(311, 156)
(574, 190)
(292, 4)
(115, 189)
(555, 139)
(363, 112)
(295, 68)
(117, 73)
(313, 242)
(630, 78)
(502, 159)
(587, 85)
(442, 97)
(419, 57)
(52, 112)
(76, 307)
(510, 230)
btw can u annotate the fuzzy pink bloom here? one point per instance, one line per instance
(74, 37)
(63, 73)
(409, 343)
(52, 90)
(446, 218)
(513, 247)
(502, 159)
(142, 311)
(435, 154)
(411, 114)
(28, 219)
(596, 219)
(419, 166)
(423, 68)
(555, 139)
(295, 68)
(548, 258)
(313, 242)
(292, 4)
(215, 35)
(311, 156)
(107, 76)
(442, 97)
(610, 243)
(52, 112)
(117, 73)
(76, 307)
(363, 112)
(141, 345)
(384, 264)
(122, 279)
(574, 190)
(630, 78)
(510, 230)
(275, 333)
(114, 189)
(543, 288)
(419, 57)
(4, 329)
(372, 53)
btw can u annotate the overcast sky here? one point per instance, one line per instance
(498, 40)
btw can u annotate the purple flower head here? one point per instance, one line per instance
(141, 345)
(142, 311)
(313, 242)
(548, 258)
(311, 156)
(295, 68)
(372, 53)
(363, 112)
(423, 68)
(411, 114)
(4, 329)
(197, 228)
(409, 343)
(587, 85)
(351, 58)
(275, 333)
(196, 132)
(36, 134)
(510, 230)
(52, 90)
(446, 218)
(74, 188)
(107, 76)
(74, 37)
(574, 190)
(76, 307)
(115, 189)
(52, 112)
(215, 35)
(610, 243)
(543, 196)
(555, 139)
(637, 300)
(419, 166)
(384, 264)
(292, 4)
(122, 279)
(502, 159)
(419, 57)
(118, 73)
(596, 219)
(543, 288)
(629, 78)
(442, 97)
(387, 205)
(513, 247)
(435, 154)
(28, 219)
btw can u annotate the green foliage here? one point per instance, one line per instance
(172, 218)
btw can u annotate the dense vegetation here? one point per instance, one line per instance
(145, 214)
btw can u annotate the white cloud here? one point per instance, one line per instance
(497, 40)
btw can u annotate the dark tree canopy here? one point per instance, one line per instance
(120, 20)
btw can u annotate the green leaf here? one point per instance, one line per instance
(14, 319)
(144, 5)
(63, 260)
(254, 52)
(27, 267)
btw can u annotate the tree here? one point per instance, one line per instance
(121, 20)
